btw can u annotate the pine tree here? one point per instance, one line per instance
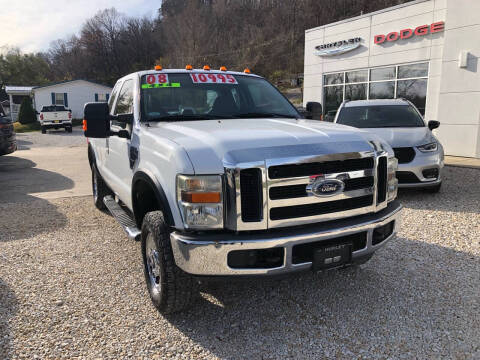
(26, 115)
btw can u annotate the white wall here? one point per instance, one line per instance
(453, 94)
(79, 92)
(459, 97)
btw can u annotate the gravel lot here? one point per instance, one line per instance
(72, 286)
(53, 138)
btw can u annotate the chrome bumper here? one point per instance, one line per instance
(207, 254)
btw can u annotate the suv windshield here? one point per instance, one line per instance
(196, 96)
(380, 116)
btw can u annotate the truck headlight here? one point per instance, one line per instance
(392, 181)
(200, 199)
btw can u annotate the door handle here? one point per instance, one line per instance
(133, 156)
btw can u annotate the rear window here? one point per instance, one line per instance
(380, 116)
(53, 108)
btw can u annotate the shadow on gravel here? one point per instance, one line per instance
(8, 308)
(24, 215)
(460, 192)
(412, 295)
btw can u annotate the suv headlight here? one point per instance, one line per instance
(200, 199)
(392, 181)
(433, 146)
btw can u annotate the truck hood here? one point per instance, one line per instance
(213, 144)
(404, 137)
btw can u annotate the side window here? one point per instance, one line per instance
(111, 101)
(125, 99)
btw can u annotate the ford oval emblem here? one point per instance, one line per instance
(326, 187)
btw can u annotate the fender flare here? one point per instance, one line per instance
(159, 195)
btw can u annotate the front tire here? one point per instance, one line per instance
(170, 288)
(99, 188)
(44, 130)
(68, 129)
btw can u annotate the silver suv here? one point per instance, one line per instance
(398, 122)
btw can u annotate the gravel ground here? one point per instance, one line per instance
(72, 287)
(57, 138)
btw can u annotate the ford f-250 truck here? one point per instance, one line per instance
(218, 175)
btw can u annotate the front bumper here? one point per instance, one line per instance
(207, 254)
(421, 162)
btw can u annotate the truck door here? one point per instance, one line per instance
(117, 157)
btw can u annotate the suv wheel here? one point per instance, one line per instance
(99, 188)
(171, 289)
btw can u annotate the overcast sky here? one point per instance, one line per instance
(32, 24)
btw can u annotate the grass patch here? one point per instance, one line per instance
(22, 128)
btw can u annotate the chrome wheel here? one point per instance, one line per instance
(153, 265)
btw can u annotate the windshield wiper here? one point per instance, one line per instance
(265, 115)
(189, 117)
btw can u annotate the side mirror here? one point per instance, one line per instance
(97, 120)
(314, 110)
(433, 124)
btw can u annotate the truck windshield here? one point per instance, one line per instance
(53, 108)
(194, 96)
(380, 116)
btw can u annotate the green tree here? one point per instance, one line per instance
(26, 115)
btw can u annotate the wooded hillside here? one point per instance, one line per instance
(264, 35)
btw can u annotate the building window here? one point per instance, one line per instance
(402, 81)
(382, 90)
(59, 99)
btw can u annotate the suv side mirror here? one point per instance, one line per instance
(433, 124)
(97, 120)
(314, 110)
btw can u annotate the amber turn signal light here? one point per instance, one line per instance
(84, 123)
(201, 197)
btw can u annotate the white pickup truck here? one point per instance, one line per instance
(55, 117)
(218, 175)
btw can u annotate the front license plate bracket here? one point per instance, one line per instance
(332, 256)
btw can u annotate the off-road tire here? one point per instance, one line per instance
(173, 290)
(99, 188)
(44, 130)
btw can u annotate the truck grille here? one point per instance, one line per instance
(251, 190)
(285, 201)
(292, 212)
(307, 169)
(297, 191)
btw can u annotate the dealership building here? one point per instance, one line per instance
(426, 51)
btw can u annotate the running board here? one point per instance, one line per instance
(128, 225)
